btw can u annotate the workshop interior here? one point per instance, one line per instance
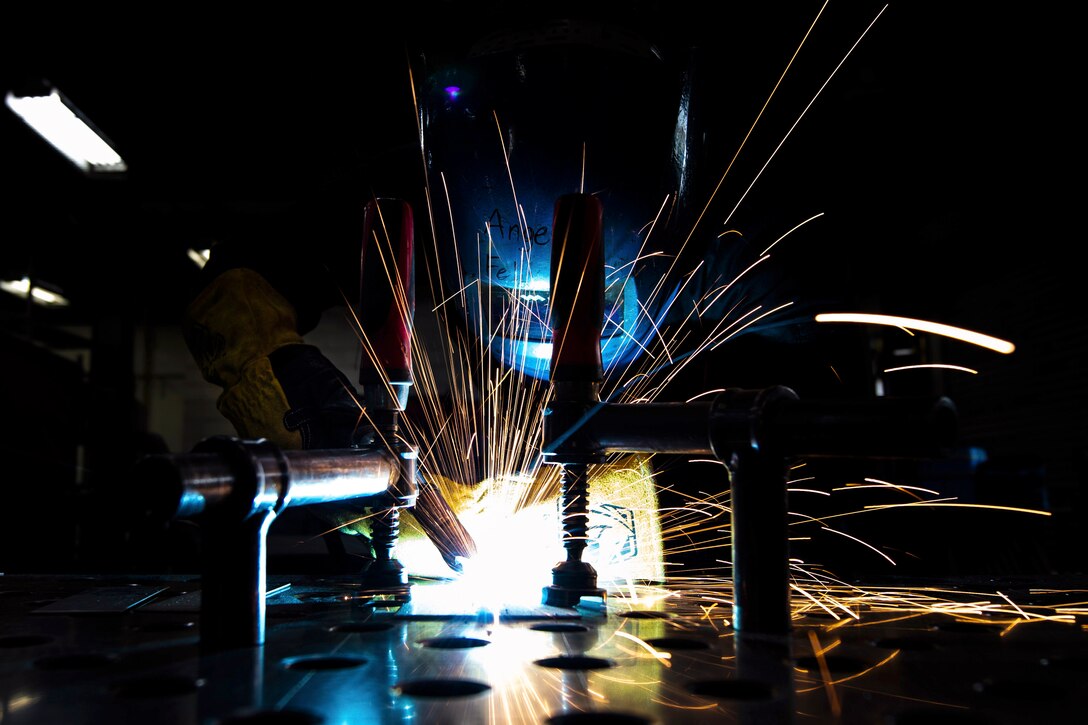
(657, 365)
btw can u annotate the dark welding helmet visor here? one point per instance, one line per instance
(526, 117)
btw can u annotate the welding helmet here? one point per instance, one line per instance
(525, 116)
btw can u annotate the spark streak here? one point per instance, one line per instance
(931, 366)
(662, 656)
(481, 439)
(936, 328)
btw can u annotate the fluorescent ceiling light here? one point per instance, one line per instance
(200, 257)
(60, 123)
(23, 288)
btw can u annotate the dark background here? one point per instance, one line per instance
(942, 154)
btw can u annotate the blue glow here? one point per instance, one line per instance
(452, 92)
(628, 333)
(534, 358)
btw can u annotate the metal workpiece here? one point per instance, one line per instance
(930, 651)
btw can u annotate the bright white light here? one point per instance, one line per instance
(936, 328)
(21, 701)
(46, 297)
(531, 350)
(938, 366)
(66, 132)
(22, 288)
(18, 287)
(516, 553)
(200, 257)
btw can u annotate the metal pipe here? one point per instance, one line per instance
(187, 484)
(237, 488)
(877, 428)
(752, 432)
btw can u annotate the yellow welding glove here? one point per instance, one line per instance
(244, 337)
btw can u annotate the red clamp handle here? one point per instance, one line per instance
(577, 295)
(387, 292)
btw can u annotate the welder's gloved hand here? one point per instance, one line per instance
(243, 335)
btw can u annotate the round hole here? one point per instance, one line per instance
(454, 642)
(833, 663)
(24, 640)
(677, 643)
(441, 688)
(559, 627)
(645, 614)
(574, 662)
(88, 661)
(732, 689)
(362, 627)
(155, 687)
(272, 717)
(598, 718)
(323, 662)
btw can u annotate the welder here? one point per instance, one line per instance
(511, 120)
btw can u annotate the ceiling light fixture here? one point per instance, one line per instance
(42, 296)
(200, 257)
(56, 119)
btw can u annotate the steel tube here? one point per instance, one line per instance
(187, 484)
